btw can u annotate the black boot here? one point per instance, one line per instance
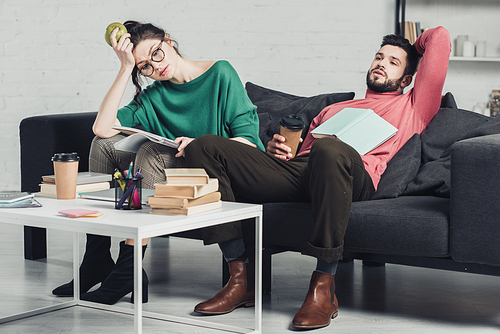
(96, 265)
(120, 281)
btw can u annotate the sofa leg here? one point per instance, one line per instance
(266, 272)
(35, 243)
(373, 263)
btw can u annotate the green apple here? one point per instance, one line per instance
(121, 30)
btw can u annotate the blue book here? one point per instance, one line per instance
(362, 129)
(7, 197)
(16, 199)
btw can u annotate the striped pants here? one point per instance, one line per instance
(151, 159)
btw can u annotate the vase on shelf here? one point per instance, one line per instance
(495, 103)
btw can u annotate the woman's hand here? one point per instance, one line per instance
(277, 147)
(106, 117)
(123, 49)
(183, 142)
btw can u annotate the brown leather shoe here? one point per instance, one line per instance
(320, 305)
(234, 294)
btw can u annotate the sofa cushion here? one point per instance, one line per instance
(272, 105)
(448, 126)
(407, 225)
(43, 135)
(401, 169)
(414, 226)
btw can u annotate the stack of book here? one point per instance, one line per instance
(85, 182)
(412, 31)
(186, 191)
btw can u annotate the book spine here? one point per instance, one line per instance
(170, 202)
(355, 121)
(189, 210)
(176, 191)
(187, 180)
(192, 191)
(167, 202)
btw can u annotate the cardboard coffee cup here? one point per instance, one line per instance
(66, 172)
(291, 127)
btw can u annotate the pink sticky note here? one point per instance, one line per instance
(77, 212)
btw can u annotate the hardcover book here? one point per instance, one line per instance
(186, 191)
(189, 210)
(362, 129)
(186, 176)
(82, 178)
(50, 188)
(174, 202)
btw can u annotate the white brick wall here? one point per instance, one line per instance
(54, 58)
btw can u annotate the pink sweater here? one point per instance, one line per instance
(410, 112)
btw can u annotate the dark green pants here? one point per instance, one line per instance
(331, 177)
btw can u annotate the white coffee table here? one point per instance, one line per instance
(137, 225)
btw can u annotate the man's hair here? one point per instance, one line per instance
(412, 55)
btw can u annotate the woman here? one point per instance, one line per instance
(186, 100)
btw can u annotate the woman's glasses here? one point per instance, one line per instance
(157, 56)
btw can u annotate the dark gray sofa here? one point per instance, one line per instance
(416, 217)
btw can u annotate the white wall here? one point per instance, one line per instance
(54, 58)
(470, 82)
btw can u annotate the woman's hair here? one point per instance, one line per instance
(412, 55)
(138, 33)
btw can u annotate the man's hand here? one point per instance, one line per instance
(183, 142)
(277, 147)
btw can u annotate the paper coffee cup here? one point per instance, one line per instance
(291, 127)
(66, 172)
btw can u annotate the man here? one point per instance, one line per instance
(326, 171)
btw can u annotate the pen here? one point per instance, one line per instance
(135, 197)
(129, 174)
(118, 177)
(126, 195)
(138, 173)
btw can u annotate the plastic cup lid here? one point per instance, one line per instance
(292, 122)
(66, 157)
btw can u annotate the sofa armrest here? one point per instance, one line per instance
(42, 136)
(475, 192)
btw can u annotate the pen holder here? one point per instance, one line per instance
(128, 193)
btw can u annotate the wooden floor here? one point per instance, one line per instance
(390, 299)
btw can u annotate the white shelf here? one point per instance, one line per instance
(483, 59)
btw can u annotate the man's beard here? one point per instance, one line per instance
(387, 86)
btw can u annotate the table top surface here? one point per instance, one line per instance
(122, 223)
